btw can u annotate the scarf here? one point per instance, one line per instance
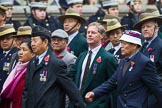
(13, 79)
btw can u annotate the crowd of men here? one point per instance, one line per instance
(103, 62)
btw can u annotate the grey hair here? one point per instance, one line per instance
(101, 29)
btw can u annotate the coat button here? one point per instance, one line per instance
(125, 105)
(125, 95)
(130, 84)
(0, 79)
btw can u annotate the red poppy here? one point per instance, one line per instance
(99, 60)
(149, 49)
(132, 64)
(46, 58)
(68, 48)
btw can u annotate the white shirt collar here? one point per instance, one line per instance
(40, 57)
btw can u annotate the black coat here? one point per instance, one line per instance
(49, 93)
(5, 61)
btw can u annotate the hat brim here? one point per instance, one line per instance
(81, 20)
(122, 27)
(138, 25)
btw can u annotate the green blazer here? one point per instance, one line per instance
(102, 68)
(78, 45)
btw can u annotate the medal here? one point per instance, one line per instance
(6, 66)
(152, 58)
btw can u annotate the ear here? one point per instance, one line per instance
(46, 42)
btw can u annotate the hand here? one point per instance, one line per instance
(89, 97)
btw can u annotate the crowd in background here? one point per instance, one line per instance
(105, 61)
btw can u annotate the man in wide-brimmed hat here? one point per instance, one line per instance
(104, 22)
(72, 21)
(23, 33)
(152, 46)
(7, 43)
(114, 32)
(135, 8)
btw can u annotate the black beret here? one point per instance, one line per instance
(40, 31)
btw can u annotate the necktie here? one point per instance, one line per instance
(112, 50)
(125, 66)
(4, 54)
(86, 68)
(36, 61)
(143, 48)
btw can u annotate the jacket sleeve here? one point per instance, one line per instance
(152, 80)
(107, 87)
(69, 87)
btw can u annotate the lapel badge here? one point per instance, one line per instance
(132, 65)
(99, 60)
(94, 68)
(152, 58)
(149, 50)
(46, 59)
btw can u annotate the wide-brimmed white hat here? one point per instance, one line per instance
(132, 36)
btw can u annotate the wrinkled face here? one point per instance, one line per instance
(127, 49)
(78, 8)
(38, 45)
(58, 44)
(115, 35)
(149, 29)
(39, 14)
(24, 53)
(113, 11)
(6, 42)
(137, 7)
(93, 36)
(71, 25)
(9, 12)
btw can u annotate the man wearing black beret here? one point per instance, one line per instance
(47, 79)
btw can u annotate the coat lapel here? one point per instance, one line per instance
(129, 70)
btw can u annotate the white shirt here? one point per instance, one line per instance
(6, 52)
(40, 57)
(149, 42)
(71, 37)
(94, 53)
(116, 48)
